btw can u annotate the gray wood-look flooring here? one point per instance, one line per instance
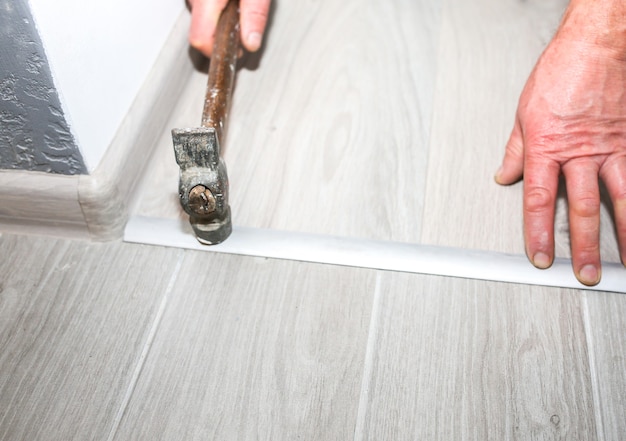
(458, 359)
(123, 342)
(74, 318)
(382, 120)
(329, 128)
(256, 349)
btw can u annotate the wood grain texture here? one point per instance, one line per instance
(606, 333)
(35, 202)
(253, 348)
(329, 127)
(461, 359)
(73, 322)
(487, 50)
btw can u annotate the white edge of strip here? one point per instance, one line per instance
(380, 255)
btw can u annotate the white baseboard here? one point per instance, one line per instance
(95, 206)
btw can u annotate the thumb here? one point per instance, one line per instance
(254, 14)
(512, 166)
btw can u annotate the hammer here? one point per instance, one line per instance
(203, 182)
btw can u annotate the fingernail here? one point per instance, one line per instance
(542, 260)
(589, 275)
(496, 177)
(253, 41)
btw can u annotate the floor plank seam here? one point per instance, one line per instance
(146, 349)
(431, 124)
(372, 337)
(595, 385)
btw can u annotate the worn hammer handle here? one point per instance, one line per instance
(222, 71)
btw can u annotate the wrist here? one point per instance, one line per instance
(598, 23)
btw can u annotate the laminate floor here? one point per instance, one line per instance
(383, 120)
(121, 341)
(376, 120)
(329, 127)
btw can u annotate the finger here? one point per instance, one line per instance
(613, 173)
(513, 163)
(583, 195)
(253, 20)
(204, 16)
(541, 180)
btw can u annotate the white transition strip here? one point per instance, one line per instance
(364, 253)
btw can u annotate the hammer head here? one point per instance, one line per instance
(203, 183)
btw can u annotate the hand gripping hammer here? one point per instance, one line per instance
(203, 182)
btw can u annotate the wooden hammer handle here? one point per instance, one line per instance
(222, 71)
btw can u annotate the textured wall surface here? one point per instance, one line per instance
(100, 53)
(34, 134)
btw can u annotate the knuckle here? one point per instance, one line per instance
(258, 15)
(515, 148)
(538, 199)
(201, 45)
(257, 10)
(588, 251)
(585, 205)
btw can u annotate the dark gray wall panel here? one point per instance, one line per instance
(34, 134)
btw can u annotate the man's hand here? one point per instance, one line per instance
(571, 119)
(204, 16)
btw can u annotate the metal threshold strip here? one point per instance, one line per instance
(381, 255)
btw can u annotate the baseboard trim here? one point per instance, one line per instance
(96, 206)
(374, 254)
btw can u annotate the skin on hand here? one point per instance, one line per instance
(205, 14)
(571, 119)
